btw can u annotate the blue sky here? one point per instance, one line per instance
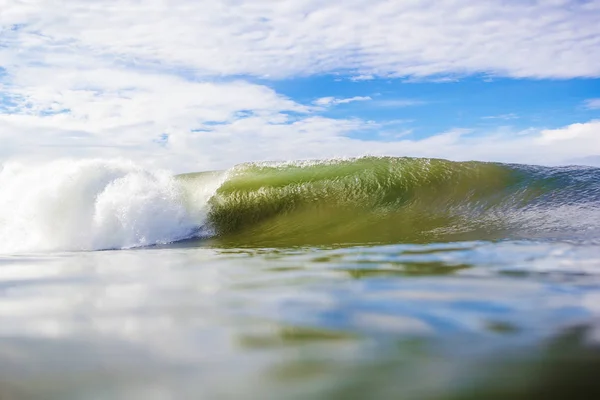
(191, 85)
(477, 102)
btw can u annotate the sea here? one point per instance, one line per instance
(357, 278)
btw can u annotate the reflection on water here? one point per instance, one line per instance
(466, 320)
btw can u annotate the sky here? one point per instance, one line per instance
(192, 85)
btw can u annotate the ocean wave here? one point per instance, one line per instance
(399, 200)
(110, 204)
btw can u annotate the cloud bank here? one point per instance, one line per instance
(175, 83)
(532, 38)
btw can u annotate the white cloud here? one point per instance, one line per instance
(593, 161)
(592, 104)
(321, 138)
(299, 37)
(121, 112)
(266, 134)
(332, 101)
(589, 133)
(365, 77)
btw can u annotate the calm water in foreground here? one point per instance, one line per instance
(468, 320)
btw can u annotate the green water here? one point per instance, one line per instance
(394, 200)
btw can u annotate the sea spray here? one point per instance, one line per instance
(89, 205)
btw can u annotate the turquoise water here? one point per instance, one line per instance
(297, 282)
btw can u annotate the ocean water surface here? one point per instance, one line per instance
(361, 278)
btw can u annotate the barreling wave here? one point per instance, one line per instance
(394, 200)
(100, 204)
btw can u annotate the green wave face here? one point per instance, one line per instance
(365, 200)
(392, 200)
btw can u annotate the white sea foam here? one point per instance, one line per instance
(94, 204)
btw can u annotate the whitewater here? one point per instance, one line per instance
(93, 205)
(369, 277)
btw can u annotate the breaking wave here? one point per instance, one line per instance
(106, 204)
